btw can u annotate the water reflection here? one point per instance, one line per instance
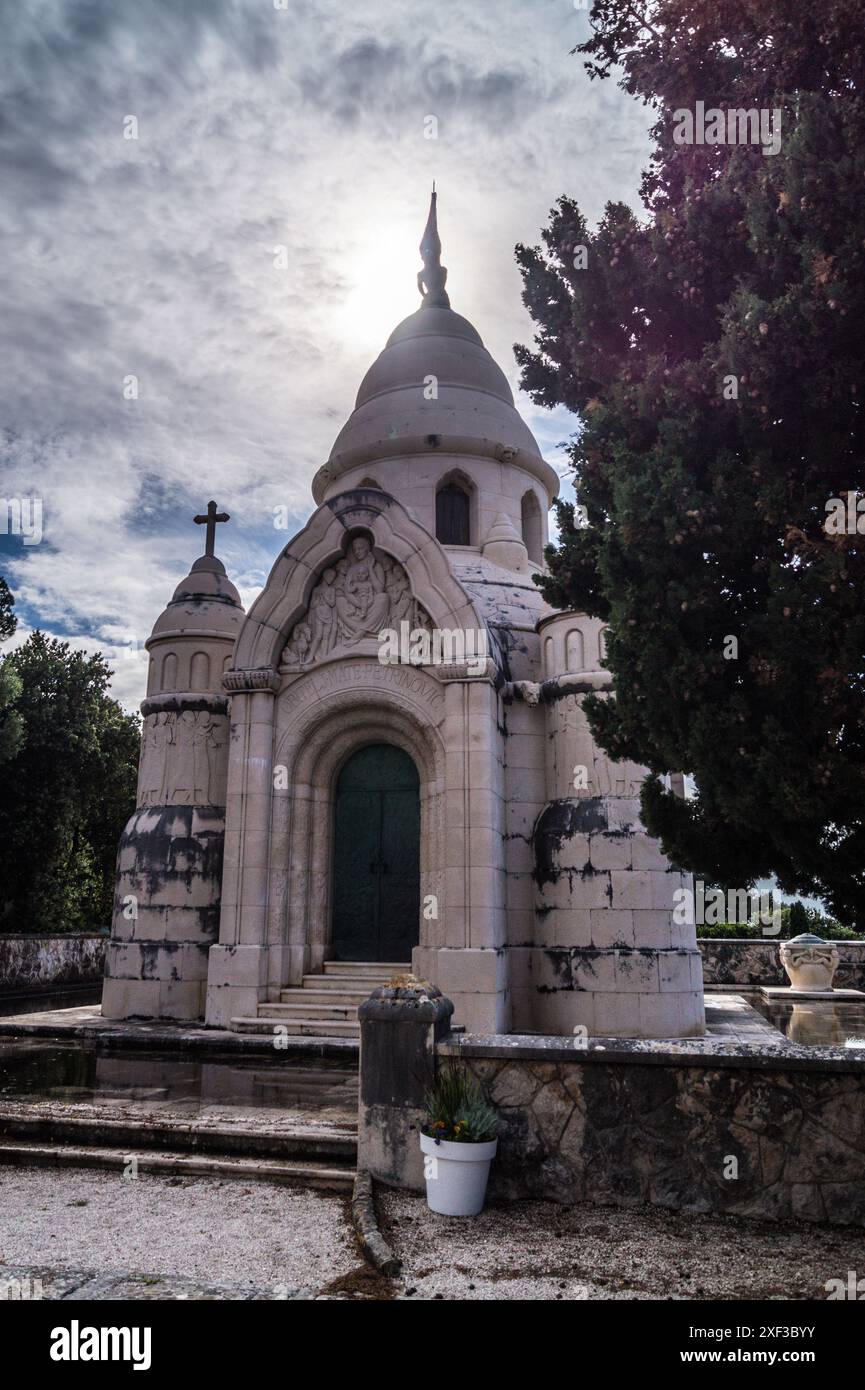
(36, 1068)
(817, 1022)
(69, 997)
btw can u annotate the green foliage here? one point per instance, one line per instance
(66, 793)
(713, 349)
(8, 621)
(456, 1108)
(11, 723)
(796, 919)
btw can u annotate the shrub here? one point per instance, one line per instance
(457, 1109)
(796, 919)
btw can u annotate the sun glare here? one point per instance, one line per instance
(382, 286)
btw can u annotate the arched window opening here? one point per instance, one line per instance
(169, 672)
(574, 659)
(453, 514)
(199, 674)
(533, 536)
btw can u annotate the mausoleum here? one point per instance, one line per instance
(385, 764)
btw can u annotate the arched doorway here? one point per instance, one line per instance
(376, 859)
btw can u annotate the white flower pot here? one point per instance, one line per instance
(456, 1175)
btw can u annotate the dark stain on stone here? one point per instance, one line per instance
(560, 821)
(553, 690)
(160, 848)
(214, 704)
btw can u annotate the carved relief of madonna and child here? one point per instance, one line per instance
(352, 602)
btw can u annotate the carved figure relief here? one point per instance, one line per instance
(352, 602)
(184, 759)
(604, 777)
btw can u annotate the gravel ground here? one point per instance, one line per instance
(530, 1250)
(260, 1234)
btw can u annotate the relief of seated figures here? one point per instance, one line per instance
(354, 601)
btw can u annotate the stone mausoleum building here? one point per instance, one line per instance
(385, 762)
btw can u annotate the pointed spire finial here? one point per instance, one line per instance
(431, 280)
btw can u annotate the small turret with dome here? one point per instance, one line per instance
(193, 638)
(169, 864)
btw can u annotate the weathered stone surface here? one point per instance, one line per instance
(41, 961)
(399, 1029)
(167, 906)
(776, 1132)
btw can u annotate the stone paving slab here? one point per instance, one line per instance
(736, 1036)
(40, 1283)
(87, 1022)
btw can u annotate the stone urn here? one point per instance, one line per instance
(810, 962)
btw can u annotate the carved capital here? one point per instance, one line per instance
(481, 669)
(262, 678)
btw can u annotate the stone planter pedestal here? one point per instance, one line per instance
(399, 1029)
(810, 964)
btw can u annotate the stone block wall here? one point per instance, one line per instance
(166, 917)
(647, 1122)
(606, 954)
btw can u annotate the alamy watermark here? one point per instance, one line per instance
(852, 1288)
(699, 907)
(732, 127)
(77, 1343)
(436, 646)
(845, 516)
(21, 516)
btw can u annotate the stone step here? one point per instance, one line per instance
(356, 983)
(306, 1027)
(366, 967)
(330, 1176)
(312, 1146)
(339, 998)
(292, 1008)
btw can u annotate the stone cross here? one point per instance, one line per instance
(211, 517)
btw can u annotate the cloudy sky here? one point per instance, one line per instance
(261, 124)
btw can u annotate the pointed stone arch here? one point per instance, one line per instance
(285, 597)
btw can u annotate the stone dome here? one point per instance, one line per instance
(434, 388)
(204, 603)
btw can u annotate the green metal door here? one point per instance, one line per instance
(376, 865)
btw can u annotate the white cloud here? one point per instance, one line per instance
(155, 258)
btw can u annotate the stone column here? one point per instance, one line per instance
(469, 964)
(399, 1029)
(237, 971)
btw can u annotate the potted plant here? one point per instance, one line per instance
(458, 1142)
